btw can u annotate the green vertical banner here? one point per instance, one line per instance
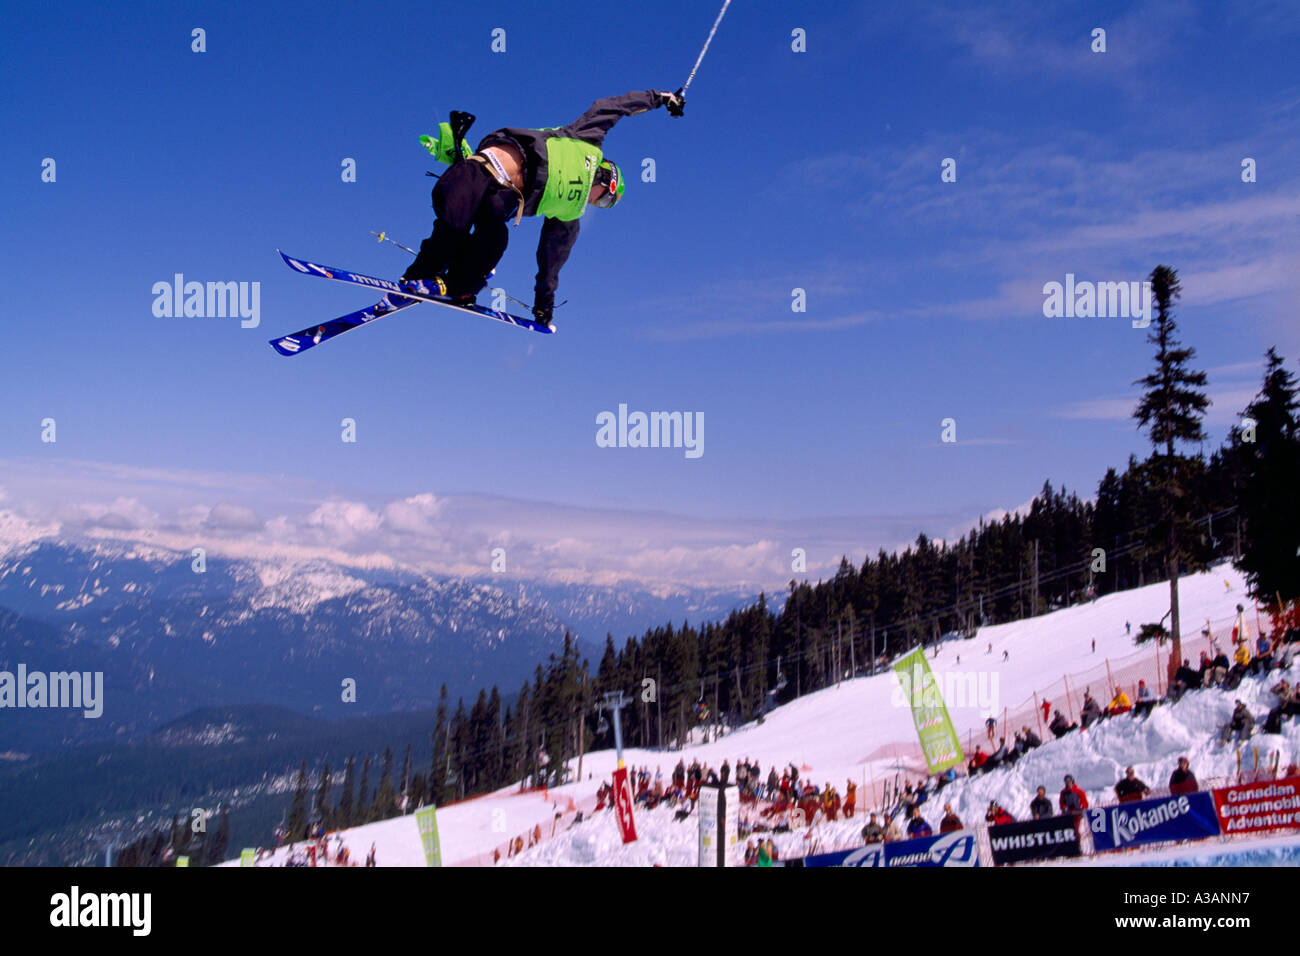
(182, 861)
(248, 857)
(939, 741)
(427, 821)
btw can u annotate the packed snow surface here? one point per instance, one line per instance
(862, 730)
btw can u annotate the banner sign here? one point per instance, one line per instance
(1047, 839)
(719, 824)
(939, 741)
(950, 849)
(1251, 807)
(623, 805)
(1189, 816)
(247, 857)
(426, 820)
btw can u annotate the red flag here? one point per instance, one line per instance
(623, 805)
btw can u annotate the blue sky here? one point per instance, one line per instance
(817, 170)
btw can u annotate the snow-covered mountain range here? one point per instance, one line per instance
(172, 632)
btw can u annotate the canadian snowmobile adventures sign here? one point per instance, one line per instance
(939, 740)
(1272, 805)
(1034, 840)
(1189, 816)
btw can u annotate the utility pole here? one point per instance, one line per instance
(615, 702)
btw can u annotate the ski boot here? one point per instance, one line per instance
(434, 285)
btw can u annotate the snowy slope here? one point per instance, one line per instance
(852, 732)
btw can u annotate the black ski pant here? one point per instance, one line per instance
(471, 233)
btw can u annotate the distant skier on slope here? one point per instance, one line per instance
(554, 173)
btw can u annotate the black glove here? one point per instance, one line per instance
(543, 314)
(675, 102)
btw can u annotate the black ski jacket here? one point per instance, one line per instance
(558, 237)
(1040, 808)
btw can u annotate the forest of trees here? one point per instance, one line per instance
(1169, 512)
(189, 837)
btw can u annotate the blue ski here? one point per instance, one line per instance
(420, 290)
(314, 335)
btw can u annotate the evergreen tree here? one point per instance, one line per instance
(363, 795)
(322, 796)
(406, 779)
(343, 814)
(438, 762)
(297, 827)
(1171, 409)
(385, 799)
(157, 849)
(220, 839)
(1270, 492)
(178, 836)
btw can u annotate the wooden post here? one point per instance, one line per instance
(1069, 708)
(1110, 683)
(1038, 716)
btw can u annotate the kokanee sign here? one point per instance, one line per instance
(1172, 819)
(1271, 805)
(1034, 840)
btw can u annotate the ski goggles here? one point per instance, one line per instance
(607, 198)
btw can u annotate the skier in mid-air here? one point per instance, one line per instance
(554, 173)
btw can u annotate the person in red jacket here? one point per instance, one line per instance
(1073, 800)
(850, 799)
(950, 820)
(1000, 816)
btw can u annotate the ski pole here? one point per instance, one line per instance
(708, 40)
(383, 237)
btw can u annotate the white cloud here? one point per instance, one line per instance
(121, 514)
(226, 516)
(344, 521)
(412, 515)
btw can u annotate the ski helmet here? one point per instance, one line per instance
(609, 176)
